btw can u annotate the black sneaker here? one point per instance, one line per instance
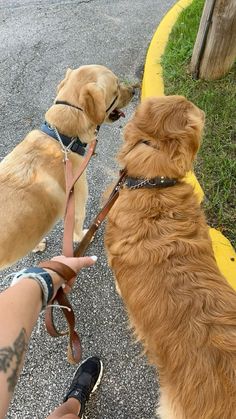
(85, 381)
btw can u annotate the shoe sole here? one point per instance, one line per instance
(99, 378)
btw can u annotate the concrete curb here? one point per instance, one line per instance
(153, 85)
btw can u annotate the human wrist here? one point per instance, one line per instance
(33, 289)
(42, 277)
(57, 280)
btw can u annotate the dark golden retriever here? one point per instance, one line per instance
(181, 307)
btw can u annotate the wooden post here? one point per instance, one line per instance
(215, 48)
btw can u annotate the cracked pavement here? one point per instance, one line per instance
(39, 40)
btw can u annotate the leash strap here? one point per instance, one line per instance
(84, 244)
(74, 347)
(69, 218)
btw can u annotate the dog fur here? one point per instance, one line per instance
(157, 241)
(32, 184)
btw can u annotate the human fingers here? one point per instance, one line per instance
(76, 263)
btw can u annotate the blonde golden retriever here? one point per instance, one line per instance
(32, 183)
(181, 307)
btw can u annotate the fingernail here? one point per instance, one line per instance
(63, 285)
(94, 258)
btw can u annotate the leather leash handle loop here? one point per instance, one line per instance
(60, 268)
(74, 347)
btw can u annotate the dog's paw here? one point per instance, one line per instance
(41, 246)
(118, 290)
(78, 237)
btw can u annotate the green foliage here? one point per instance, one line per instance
(216, 164)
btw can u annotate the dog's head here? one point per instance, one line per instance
(97, 91)
(162, 138)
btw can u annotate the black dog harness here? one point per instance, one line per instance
(78, 147)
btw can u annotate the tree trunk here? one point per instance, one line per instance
(215, 47)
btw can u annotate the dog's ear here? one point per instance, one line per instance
(62, 83)
(183, 144)
(179, 155)
(92, 100)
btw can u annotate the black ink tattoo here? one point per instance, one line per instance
(11, 359)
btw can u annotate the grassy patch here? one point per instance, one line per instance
(216, 164)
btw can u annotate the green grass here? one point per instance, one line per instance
(215, 167)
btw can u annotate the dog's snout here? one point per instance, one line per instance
(133, 91)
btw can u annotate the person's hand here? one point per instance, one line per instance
(75, 263)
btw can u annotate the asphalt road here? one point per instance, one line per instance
(39, 40)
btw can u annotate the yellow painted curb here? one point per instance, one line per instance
(153, 85)
(225, 256)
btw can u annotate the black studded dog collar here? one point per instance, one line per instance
(157, 182)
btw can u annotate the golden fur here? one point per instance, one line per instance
(32, 185)
(181, 307)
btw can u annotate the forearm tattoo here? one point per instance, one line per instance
(11, 358)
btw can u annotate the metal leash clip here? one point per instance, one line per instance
(65, 150)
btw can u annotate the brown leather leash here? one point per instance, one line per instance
(70, 199)
(74, 346)
(84, 244)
